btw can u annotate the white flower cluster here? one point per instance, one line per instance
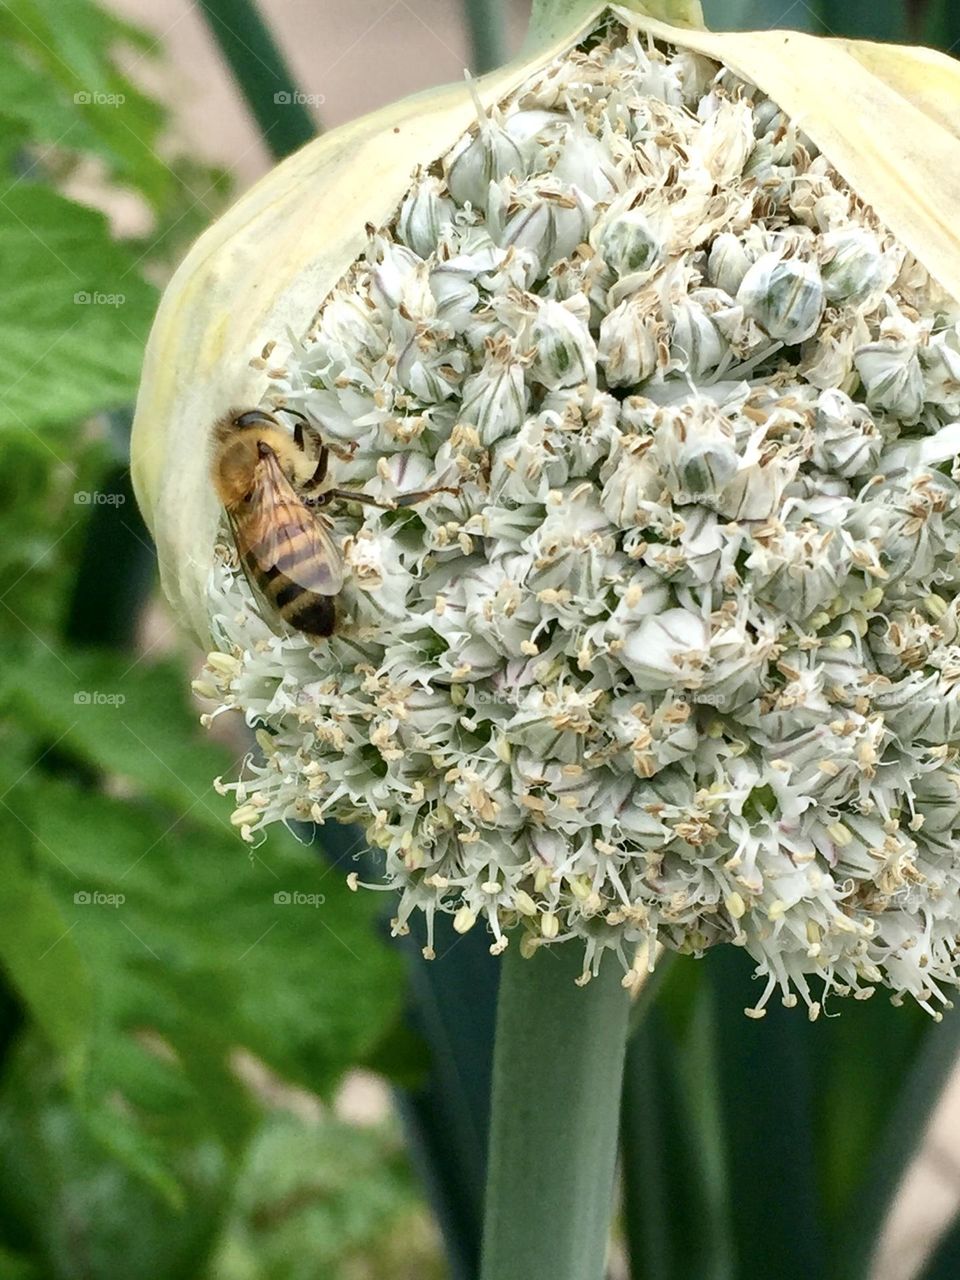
(679, 662)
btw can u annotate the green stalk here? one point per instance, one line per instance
(557, 1070)
(486, 30)
(262, 74)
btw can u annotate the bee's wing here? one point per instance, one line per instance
(267, 610)
(280, 533)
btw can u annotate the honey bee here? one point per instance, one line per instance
(270, 480)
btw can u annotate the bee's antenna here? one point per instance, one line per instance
(295, 413)
(254, 418)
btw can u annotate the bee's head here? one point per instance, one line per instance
(234, 467)
(246, 438)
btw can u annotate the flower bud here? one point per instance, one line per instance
(495, 399)
(423, 215)
(456, 297)
(846, 438)
(629, 243)
(629, 344)
(696, 344)
(784, 296)
(665, 652)
(486, 156)
(891, 375)
(566, 354)
(728, 263)
(852, 268)
(550, 224)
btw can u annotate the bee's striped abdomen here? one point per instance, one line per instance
(313, 614)
(298, 606)
(292, 555)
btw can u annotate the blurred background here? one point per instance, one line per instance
(213, 1064)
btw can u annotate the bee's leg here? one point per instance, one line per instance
(302, 430)
(344, 452)
(352, 495)
(419, 495)
(320, 474)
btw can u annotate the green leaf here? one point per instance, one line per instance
(41, 527)
(447, 1118)
(198, 946)
(748, 15)
(768, 1113)
(323, 1200)
(63, 86)
(213, 945)
(71, 1205)
(863, 19)
(262, 76)
(39, 954)
(14, 1266)
(857, 1089)
(127, 719)
(904, 1132)
(486, 24)
(74, 312)
(941, 25)
(675, 1189)
(944, 1264)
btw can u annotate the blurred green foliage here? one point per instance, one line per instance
(164, 991)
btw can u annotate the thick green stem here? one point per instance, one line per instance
(486, 28)
(557, 1071)
(262, 74)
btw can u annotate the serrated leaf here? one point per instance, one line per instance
(198, 945)
(324, 1201)
(74, 312)
(128, 719)
(268, 951)
(67, 1197)
(64, 86)
(14, 1266)
(40, 957)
